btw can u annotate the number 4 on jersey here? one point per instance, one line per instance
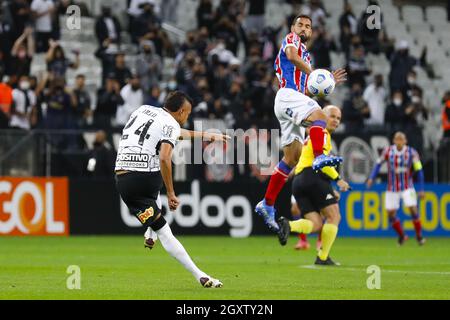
(142, 131)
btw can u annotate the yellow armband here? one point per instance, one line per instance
(417, 166)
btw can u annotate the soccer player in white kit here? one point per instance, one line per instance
(402, 161)
(295, 110)
(144, 163)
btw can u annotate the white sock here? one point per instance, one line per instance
(150, 234)
(176, 250)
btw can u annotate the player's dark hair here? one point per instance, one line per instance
(301, 16)
(175, 100)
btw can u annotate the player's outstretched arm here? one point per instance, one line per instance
(292, 55)
(165, 158)
(384, 157)
(209, 136)
(373, 175)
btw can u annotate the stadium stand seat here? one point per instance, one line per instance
(412, 14)
(436, 15)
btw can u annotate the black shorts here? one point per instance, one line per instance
(140, 191)
(312, 191)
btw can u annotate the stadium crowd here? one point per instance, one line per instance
(208, 67)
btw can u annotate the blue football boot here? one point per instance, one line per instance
(325, 161)
(268, 214)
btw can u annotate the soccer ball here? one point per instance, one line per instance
(321, 83)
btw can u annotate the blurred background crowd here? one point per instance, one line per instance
(133, 52)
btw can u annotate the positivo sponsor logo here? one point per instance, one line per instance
(135, 157)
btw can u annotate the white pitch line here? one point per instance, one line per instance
(313, 267)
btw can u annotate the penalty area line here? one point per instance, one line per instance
(314, 267)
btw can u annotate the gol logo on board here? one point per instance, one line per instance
(34, 206)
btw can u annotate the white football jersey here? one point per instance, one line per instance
(142, 136)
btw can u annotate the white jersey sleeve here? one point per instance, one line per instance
(171, 133)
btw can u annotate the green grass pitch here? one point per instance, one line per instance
(252, 268)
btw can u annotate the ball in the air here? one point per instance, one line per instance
(321, 83)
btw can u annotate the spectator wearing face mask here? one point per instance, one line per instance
(108, 26)
(24, 101)
(349, 27)
(184, 73)
(57, 63)
(146, 22)
(102, 158)
(59, 105)
(357, 67)
(106, 53)
(415, 115)
(412, 84)
(108, 100)
(375, 96)
(355, 111)
(315, 10)
(82, 100)
(172, 85)
(20, 15)
(321, 45)
(154, 98)
(401, 65)
(148, 65)
(120, 69)
(133, 97)
(395, 113)
(205, 14)
(22, 54)
(370, 36)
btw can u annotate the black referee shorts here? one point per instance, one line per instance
(139, 191)
(312, 191)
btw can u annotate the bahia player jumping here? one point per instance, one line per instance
(295, 110)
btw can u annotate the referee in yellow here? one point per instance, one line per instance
(315, 195)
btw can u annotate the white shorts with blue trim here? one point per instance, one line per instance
(291, 108)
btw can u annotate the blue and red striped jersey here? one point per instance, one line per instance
(400, 167)
(288, 74)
